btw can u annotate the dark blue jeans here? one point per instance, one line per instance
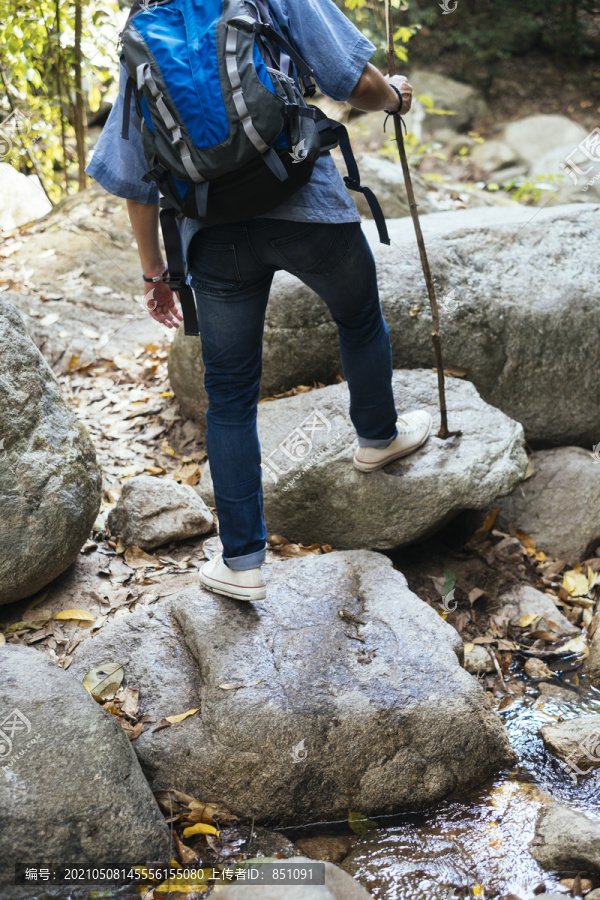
(232, 267)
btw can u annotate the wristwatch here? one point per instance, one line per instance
(155, 278)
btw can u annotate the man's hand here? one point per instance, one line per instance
(374, 94)
(160, 302)
(159, 299)
(401, 82)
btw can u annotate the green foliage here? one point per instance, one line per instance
(478, 34)
(37, 61)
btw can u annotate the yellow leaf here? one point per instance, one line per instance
(174, 887)
(182, 716)
(120, 548)
(524, 621)
(469, 647)
(576, 583)
(77, 615)
(478, 889)
(526, 539)
(72, 364)
(167, 394)
(491, 519)
(2, 640)
(200, 828)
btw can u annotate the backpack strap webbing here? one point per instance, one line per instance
(305, 73)
(352, 179)
(177, 268)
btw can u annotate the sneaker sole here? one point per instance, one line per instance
(372, 467)
(219, 587)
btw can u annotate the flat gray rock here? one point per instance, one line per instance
(71, 788)
(576, 741)
(338, 886)
(154, 511)
(518, 289)
(298, 719)
(50, 483)
(566, 840)
(559, 506)
(525, 600)
(313, 492)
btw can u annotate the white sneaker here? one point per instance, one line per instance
(413, 430)
(220, 579)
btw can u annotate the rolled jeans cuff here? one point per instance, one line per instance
(378, 444)
(250, 561)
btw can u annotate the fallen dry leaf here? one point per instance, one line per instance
(200, 828)
(76, 615)
(104, 681)
(236, 685)
(137, 558)
(576, 583)
(174, 719)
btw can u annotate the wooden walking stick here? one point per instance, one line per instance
(435, 316)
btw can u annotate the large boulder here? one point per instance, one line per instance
(71, 788)
(464, 101)
(534, 136)
(575, 741)
(153, 511)
(295, 316)
(50, 482)
(386, 180)
(567, 841)
(518, 291)
(313, 492)
(559, 506)
(493, 155)
(343, 690)
(579, 175)
(23, 198)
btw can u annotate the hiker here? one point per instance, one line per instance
(315, 234)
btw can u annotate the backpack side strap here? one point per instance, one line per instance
(177, 267)
(352, 179)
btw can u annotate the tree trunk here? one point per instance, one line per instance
(80, 117)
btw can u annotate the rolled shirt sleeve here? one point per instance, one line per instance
(117, 164)
(328, 41)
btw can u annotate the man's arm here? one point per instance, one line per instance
(160, 300)
(374, 94)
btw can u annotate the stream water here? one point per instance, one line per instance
(474, 846)
(477, 846)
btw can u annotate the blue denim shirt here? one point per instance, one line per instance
(335, 50)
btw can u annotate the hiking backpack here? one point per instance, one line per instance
(226, 130)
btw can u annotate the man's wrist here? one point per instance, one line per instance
(153, 269)
(154, 279)
(396, 103)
